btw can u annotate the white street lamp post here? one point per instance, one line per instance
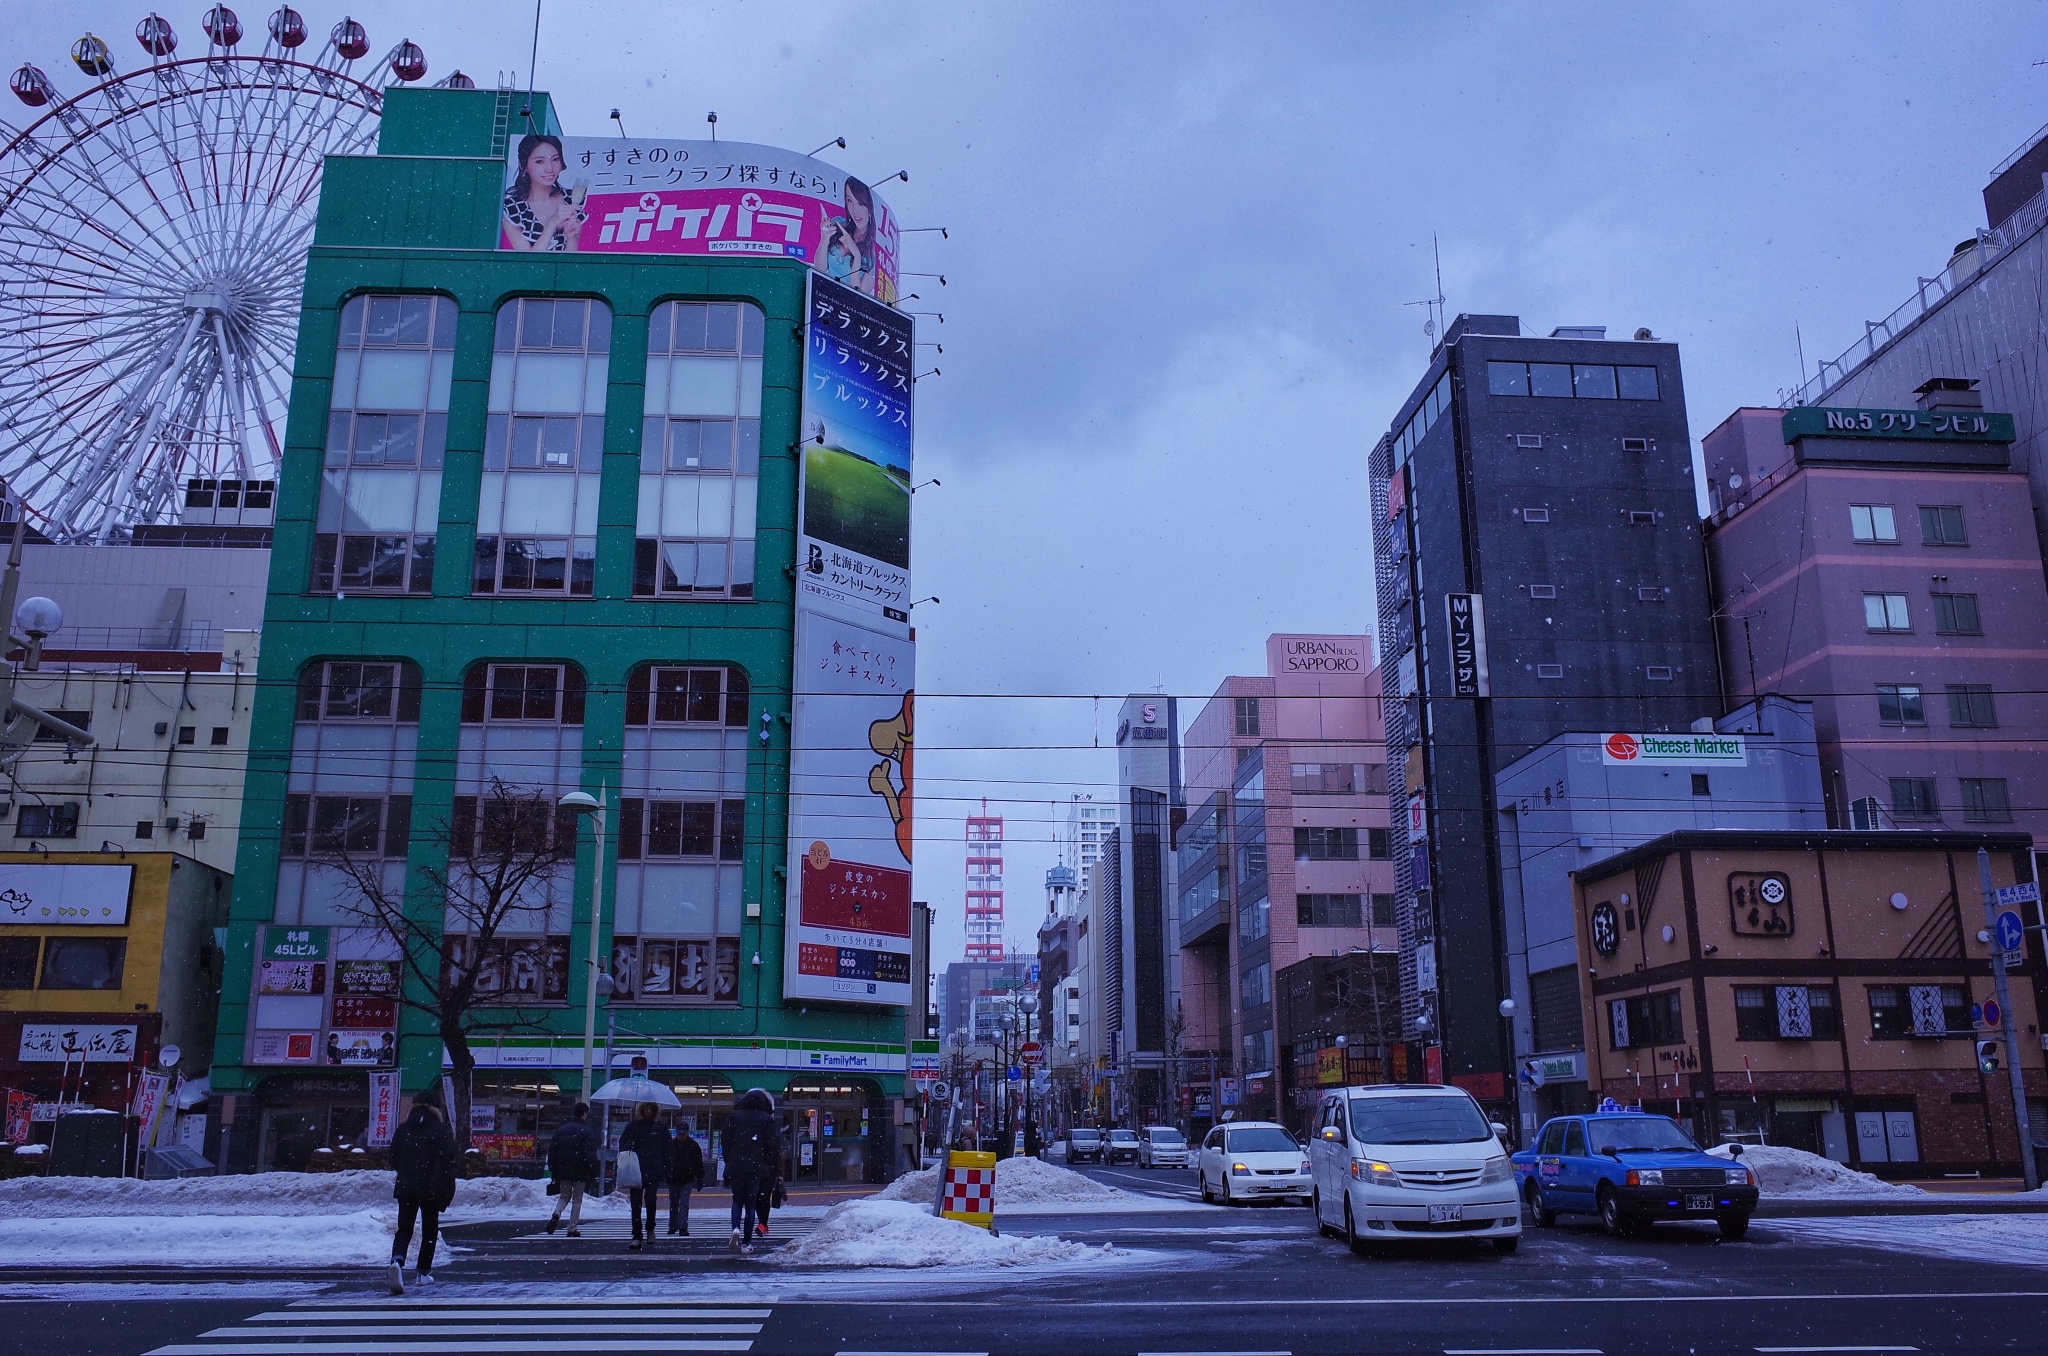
(583, 803)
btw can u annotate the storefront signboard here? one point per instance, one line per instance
(65, 893)
(294, 944)
(298, 978)
(282, 1047)
(370, 1049)
(371, 978)
(371, 1014)
(383, 1108)
(1673, 750)
(65, 1043)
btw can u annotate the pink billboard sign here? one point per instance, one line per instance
(725, 198)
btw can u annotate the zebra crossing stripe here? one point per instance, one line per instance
(407, 1326)
(361, 1348)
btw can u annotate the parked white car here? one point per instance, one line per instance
(1162, 1146)
(1245, 1161)
(1411, 1163)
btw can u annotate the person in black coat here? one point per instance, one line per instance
(649, 1139)
(687, 1176)
(572, 1162)
(423, 1152)
(753, 1159)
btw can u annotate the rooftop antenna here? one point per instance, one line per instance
(1432, 327)
(527, 112)
(1800, 344)
(620, 121)
(712, 118)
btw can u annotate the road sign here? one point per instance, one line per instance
(942, 1092)
(1032, 1053)
(1989, 1012)
(2011, 936)
(2026, 892)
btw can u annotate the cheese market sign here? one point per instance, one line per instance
(1673, 750)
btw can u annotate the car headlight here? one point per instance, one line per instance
(1379, 1174)
(1645, 1177)
(1497, 1170)
(1739, 1177)
(1239, 1170)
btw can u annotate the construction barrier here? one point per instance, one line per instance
(967, 1188)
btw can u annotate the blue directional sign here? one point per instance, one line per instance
(2011, 935)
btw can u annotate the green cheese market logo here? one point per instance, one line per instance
(1678, 748)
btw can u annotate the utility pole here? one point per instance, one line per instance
(2012, 1045)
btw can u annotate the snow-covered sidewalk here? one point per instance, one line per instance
(2017, 1240)
(886, 1233)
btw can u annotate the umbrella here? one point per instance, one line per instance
(634, 1091)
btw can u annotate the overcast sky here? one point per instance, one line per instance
(1183, 243)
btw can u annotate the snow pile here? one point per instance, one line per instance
(362, 1237)
(1019, 1181)
(1783, 1171)
(2014, 1240)
(894, 1233)
(269, 1194)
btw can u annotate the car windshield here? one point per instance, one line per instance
(1427, 1119)
(1262, 1139)
(1638, 1135)
(1167, 1139)
(1082, 1134)
(1123, 1136)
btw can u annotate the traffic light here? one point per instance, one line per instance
(1987, 1056)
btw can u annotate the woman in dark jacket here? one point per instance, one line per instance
(648, 1138)
(753, 1158)
(423, 1152)
(686, 1176)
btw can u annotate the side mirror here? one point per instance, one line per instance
(1499, 1129)
(1607, 1151)
(1735, 1151)
(1330, 1132)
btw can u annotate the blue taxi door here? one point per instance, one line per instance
(1575, 1173)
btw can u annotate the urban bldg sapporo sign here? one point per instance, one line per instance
(1673, 750)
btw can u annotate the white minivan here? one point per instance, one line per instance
(1405, 1163)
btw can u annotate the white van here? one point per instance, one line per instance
(1404, 1163)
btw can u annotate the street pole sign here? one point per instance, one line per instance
(1998, 922)
(1032, 1053)
(2011, 935)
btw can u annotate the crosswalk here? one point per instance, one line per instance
(425, 1325)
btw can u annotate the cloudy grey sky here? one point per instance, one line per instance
(1183, 238)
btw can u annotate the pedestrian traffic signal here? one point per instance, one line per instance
(1987, 1056)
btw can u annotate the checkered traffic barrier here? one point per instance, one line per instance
(967, 1188)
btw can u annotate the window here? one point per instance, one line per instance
(188, 734)
(1914, 798)
(1641, 518)
(1326, 845)
(658, 695)
(145, 828)
(1550, 670)
(516, 970)
(1257, 985)
(1657, 673)
(1649, 593)
(1900, 1011)
(1985, 800)
(1383, 911)
(387, 429)
(1886, 612)
(1419, 423)
(707, 829)
(1900, 704)
(1246, 711)
(1254, 920)
(543, 444)
(47, 821)
(18, 956)
(1333, 911)
(220, 736)
(498, 826)
(1648, 1019)
(351, 690)
(1787, 1013)
(552, 693)
(1542, 590)
(1507, 379)
(1555, 1018)
(1635, 444)
(1379, 845)
(347, 826)
(1955, 614)
(1700, 785)
(700, 451)
(1535, 515)
(1592, 381)
(83, 962)
(1872, 523)
(1942, 525)
(1586, 381)
(1637, 383)
(82, 719)
(1969, 706)
(687, 969)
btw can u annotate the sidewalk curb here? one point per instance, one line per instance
(1830, 1207)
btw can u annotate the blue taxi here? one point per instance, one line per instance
(1631, 1169)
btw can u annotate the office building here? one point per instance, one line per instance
(984, 893)
(1539, 570)
(1084, 830)
(1138, 963)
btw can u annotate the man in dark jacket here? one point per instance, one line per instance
(649, 1139)
(685, 1176)
(423, 1152)
(572, 1162)
(753, 1157)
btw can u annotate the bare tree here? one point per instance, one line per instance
(504, 851)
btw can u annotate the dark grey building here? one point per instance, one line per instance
(1549, 482)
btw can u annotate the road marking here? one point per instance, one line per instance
(420, 1309)
(1439, 1300)
(911, 1353)
(443, 1326)
(431, 1348)
(1835, 1348)
(1522, 1351)
(401, 1329)
(1215, 1353)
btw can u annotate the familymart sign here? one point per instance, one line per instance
(1673, 750)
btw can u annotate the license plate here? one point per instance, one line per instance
(1446, 1214)
(1699, 1200)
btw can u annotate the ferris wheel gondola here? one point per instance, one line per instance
(153, 232)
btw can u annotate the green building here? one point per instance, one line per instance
(536, 530)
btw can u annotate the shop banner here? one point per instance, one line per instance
(611, 195)
(371, 978)
(282, 1047)
(67, 894)
(149, 1100)
(847, 938)
(294, 944)
(383, 1109)
(21, 1110)
(1673, 750)
(64, 1043)
(853, 547)
(362, 1049)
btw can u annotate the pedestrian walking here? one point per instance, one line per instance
(753, 1156)
(687, 1176)
(423, 1152)
(572, 1162)
(773, 1194)
(647, 1139)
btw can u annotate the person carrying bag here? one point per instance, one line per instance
(644, 1153)
(572, 1162)
(687, 1177)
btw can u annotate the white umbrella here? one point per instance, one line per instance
(634, 1091)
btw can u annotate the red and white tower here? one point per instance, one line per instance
(984, 886)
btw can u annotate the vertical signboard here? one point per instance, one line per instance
(1466, 614)
(848, 923)
(383, 1109)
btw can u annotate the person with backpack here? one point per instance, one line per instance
(647, 1139)
(753, 1157)
(423, 1152)
(572, 1163)
(687, 1176)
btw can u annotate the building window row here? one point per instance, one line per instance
(1571, 381)
(708, 829)
(347, 826)
(65, 962)
(1877, 524)
(1786, 1012)
(1955, 614)
(1419, 423)
(1333, 911)
(1971, 706)
(1310, 779)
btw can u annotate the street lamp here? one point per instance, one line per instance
(583, 803)
(1028, 1001)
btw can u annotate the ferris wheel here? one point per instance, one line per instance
(153, 233)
